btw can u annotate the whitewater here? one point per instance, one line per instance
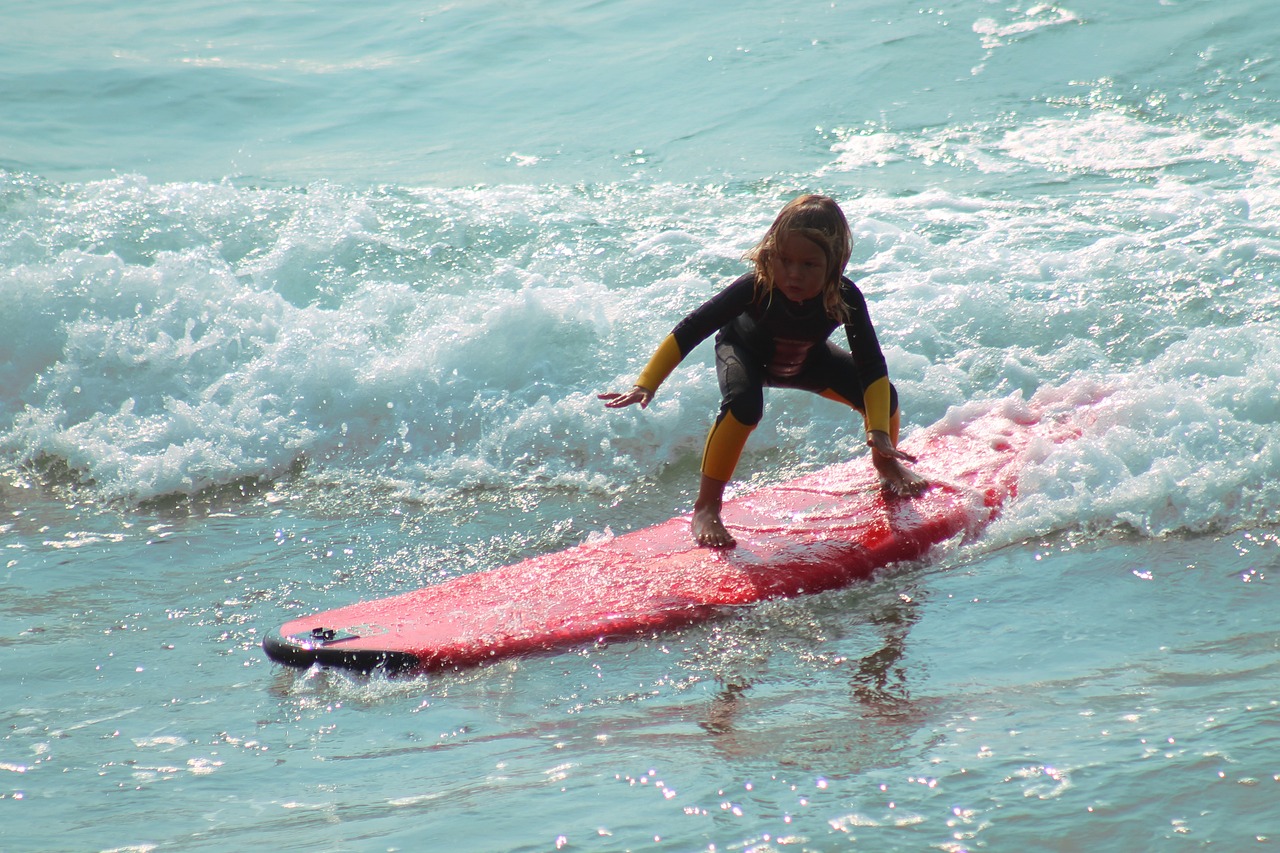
(303, 305)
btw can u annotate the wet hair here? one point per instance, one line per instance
(816, 218)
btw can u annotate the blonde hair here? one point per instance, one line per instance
(819, 219)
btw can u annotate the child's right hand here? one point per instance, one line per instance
(637, 394)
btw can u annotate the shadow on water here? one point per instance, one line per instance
(875, 718)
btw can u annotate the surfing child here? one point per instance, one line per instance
(772, 326)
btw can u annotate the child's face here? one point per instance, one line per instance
(799, 267)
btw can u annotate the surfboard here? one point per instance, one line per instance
(818, 532)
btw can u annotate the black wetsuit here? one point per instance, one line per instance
(774, 341)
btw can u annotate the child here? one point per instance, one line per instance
(773, 326)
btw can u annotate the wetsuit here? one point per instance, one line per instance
(779, 343)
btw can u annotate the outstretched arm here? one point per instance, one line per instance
(688, 333)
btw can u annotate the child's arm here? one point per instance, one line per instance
(687, 334)
(880, 443)
(659, 368)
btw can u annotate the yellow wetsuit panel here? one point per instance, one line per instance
(876, 405)
(724, 447)
(664, 361)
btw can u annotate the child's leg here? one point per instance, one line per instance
(719, 459)
(723, 448)
(740, 410)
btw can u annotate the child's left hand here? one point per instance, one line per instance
(880, 443)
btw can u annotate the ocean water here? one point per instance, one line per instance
(306, 303)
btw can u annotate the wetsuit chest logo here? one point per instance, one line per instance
(788, 357)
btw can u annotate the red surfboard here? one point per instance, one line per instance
(821, 531)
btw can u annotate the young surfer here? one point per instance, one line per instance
(771, 327)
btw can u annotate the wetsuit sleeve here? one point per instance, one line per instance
(703, 322)
(876, 400)
(873, 372)
(661, 364)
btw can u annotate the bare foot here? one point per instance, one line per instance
(898, 478)
(708, 527)
(709, 530)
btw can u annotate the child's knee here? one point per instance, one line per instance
(747, 410)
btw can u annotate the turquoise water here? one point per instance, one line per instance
(307, 303)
